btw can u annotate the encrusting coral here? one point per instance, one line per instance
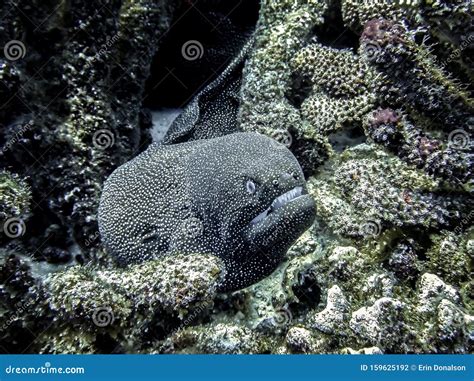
(15, 196)
(122, 305)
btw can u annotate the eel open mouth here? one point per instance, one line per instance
(279, 202)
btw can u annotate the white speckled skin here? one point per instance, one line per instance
(192, 198)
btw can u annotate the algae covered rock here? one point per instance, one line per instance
(334, 316)
(447, 324)
(451, 257)
(15, 201)
(381, 324)
(378, 191)
(218, 338)
(123, 304)
(300, 340)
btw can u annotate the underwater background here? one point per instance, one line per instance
(373, 98)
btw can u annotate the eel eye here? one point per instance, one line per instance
(251, 187)
(295, 175)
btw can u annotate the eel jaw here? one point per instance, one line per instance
(279, 202)
(279, 226)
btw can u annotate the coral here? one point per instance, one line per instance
(377, 191)
(381, 324)
(85, 294)
(392, 129)
(334, 316)
(174, 284)
(447, 327)
(15, 196)
(281, 30)
(122, 303)
(362, 351)
(84, 114)
(403, 261)
(378, 285)
(299, 340)
(431, 290)
(448, 23)
(450, 258)
(20, 303)
(415, 73)
(331, 88)
(356, 13)
(342, 88)
(373, 98)
(220, 338)
(227, 339)
(302, 340)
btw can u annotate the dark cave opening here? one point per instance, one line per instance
(203, 38)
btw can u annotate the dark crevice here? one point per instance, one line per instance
(334, 33)
(348, 137)
(202, 41)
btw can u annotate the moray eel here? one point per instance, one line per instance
(241, 197)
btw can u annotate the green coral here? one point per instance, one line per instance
(376, 190)
(225, 338)
(281, 31)
(122, 303)
(15, 196)
(451, 257)
(342, 87)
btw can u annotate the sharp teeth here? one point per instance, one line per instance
(286, 197)
(280, 201)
